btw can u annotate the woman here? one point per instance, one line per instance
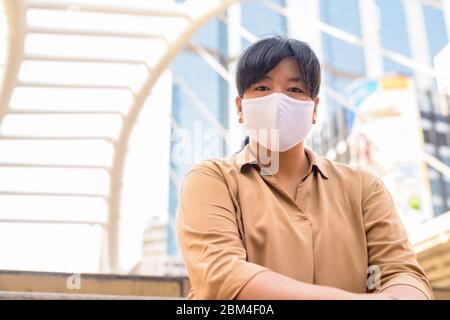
(277, 221)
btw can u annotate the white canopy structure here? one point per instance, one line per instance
(69, 98)
(74, 77)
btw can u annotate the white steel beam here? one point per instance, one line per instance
(212, 9)
(169, 11)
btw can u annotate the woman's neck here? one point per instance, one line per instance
(292, 163)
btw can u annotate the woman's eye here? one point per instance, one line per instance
(261, 88)
(296, 90)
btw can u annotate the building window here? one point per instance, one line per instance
(438, 210)
(435, 187)
(447, 186)
(441, 138)
(427, 136)
(446, 160)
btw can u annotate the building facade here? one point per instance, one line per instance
(394, 37)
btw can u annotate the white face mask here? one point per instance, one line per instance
(277, 121)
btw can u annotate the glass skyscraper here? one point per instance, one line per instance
(200, 102)
(200, 94)
(344, 62)
(344, 57)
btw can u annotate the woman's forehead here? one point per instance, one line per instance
(287, 68)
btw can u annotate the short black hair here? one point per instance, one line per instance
(264, 55)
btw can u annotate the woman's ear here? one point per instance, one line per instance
(239, 108)
(316, 103)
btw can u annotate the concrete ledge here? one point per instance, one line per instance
(441, 293)
(16, 295)
(121, 285)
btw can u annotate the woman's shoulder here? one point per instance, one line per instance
(353, 174)
(211, 174)
(344, 168)
(215, 166)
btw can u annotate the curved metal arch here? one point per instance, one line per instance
(15, 15)
(16, 20)
(122, 143)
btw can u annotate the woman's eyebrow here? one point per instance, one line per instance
(296, 79)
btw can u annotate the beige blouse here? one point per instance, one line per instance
(342, 230)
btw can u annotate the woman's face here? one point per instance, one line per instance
(284, 78)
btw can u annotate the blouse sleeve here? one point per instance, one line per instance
(208, 237)
(391, 256)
